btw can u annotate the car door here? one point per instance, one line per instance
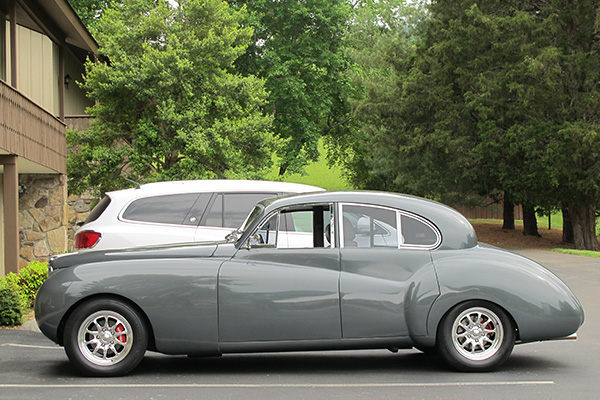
(284, 285)
(387, 281)
(152, 220)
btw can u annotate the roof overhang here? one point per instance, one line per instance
(56, 19)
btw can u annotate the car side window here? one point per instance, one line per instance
(168, 209)
(417, 233)
(365, 226)
(215, 214)
(229, 210)
(195, 214)
(301, 228)
(238, 205)
(266, 236)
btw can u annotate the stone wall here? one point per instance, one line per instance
(42, 217)
(78, 208)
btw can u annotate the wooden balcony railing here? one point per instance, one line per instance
(31, 132)
(78, 122)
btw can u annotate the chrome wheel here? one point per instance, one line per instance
(105, 338)
(476, 336)
(477, 333)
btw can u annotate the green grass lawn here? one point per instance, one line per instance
(584, 253)
(317, 174)
(556, 221)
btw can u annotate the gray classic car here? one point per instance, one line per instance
(318, 271)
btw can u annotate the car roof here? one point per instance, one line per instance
(456, 230)
(212, 185)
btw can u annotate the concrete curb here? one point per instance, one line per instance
(30, 325)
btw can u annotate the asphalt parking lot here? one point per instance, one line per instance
(31, 367)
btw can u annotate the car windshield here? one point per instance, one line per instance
(250, 218)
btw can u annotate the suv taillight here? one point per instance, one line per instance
(86, 239)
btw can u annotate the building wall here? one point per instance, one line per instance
(42, 217)
(37, 68)
(78, 208)
(75, 99)
(38, 71)
(2, 46)
(1, 226)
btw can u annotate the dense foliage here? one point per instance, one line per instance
(490, 96)
(11, 305)
(448, 100)
(297, 48)
(28, 281)
(18, 291)
(90, 11)
(169, 103)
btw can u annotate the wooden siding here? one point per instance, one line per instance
(29, 131)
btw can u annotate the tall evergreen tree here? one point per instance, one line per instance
(497, 96)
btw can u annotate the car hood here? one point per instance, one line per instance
(191, 250)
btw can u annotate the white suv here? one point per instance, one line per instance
(175, 212)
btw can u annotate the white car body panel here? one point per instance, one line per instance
(118, 232)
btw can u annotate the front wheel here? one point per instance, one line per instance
(105, 337)
(476, 336)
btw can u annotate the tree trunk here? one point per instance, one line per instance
(529, 221)
(508, 214)
(583, 219)
(567, 236)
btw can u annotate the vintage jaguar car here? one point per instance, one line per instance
(317, 271)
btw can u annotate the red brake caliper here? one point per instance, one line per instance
(120, 328)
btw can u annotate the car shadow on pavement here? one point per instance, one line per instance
(292, 363)
(322, 363)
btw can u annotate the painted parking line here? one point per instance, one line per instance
(29, 346)
(277, 385)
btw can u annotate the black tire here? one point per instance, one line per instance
(105, 337)
(476, 336)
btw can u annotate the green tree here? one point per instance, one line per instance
(169, 103)
(297, 49)
(381, 38)
(497, 96)
(90, 11)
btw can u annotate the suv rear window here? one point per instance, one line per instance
(98, 210)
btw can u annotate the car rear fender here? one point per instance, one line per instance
(540, 304)
(178, 298)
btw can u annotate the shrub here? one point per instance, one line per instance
(30, 279)
(11, 304)
(27, 282)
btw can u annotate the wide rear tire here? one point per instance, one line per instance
(476, 336)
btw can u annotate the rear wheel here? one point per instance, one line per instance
(476, 336)
(105, 337)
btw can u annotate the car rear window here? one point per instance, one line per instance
(98, 210)
(418, 233)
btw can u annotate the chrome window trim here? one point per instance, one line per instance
(399, 214)
(332, 208)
